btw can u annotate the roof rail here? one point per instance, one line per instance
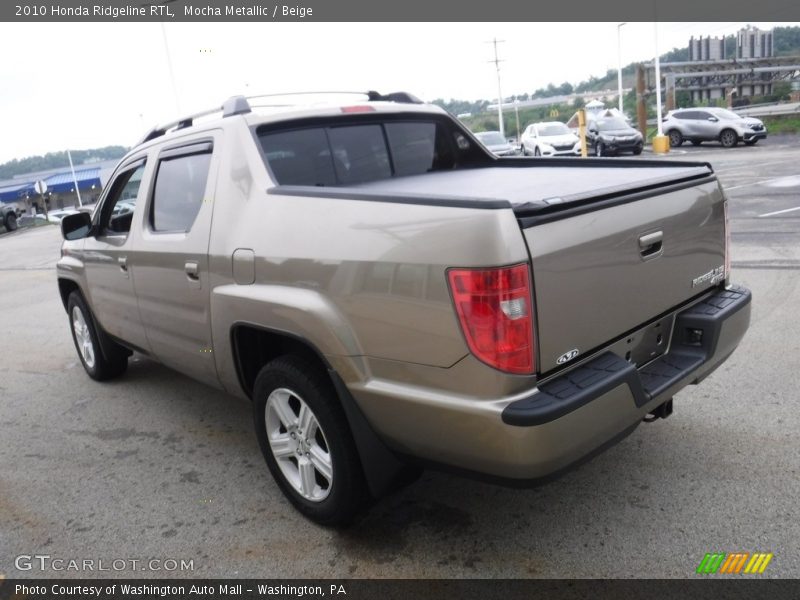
(240, 105)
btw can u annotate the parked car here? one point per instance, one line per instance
(55, 216)
(548, 139)
(612, 135)
(389, 295)
(699, 125)
(8, 217)
(495, 142)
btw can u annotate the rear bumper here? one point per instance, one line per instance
(704, 336)
(536, 435)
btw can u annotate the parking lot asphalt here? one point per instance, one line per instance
(155, 465)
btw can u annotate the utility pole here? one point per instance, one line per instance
(497, 62)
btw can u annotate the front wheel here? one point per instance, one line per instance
(306, 441)
(11, 222)
(537, 152)
(638, 150)
(728, 138)
(675, 138)
(599, 149)
(99, 365)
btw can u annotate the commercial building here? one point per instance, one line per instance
(91, 178)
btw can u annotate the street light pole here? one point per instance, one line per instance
(658, 80)
(497, 62)
(619, 63)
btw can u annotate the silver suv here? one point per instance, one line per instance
(699, 125)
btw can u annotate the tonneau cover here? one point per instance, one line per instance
(538, 186)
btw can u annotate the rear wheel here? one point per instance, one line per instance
(306, 441)
(728, 138)
(675, 138)
(98, 364)
(11, 222)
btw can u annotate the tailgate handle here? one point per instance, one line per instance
(651, 244)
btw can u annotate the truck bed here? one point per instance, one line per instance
(534, 185)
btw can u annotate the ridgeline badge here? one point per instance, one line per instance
(714, 276)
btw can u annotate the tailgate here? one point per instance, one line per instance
(600, 274)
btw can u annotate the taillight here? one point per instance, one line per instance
(727, 241)
(495, 312)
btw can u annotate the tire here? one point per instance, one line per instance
(638, 150)
(696, 142)
(751, 142)
(537, 152)
(728, 138)
(101, 362)
(11, 222)
(599, 149)
(525, 151)
(675, 138)
(321, 475)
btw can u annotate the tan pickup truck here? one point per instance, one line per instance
(389, 295)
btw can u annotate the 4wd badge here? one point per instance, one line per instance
(567, 356)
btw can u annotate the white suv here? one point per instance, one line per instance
(699, 125)
(548, 139)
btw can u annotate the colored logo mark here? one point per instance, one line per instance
(736, 562)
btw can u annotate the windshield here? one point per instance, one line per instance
(554, 129)
(612, 124)
(492, 138)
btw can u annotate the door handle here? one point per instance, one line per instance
(651, 244)
(192, 271)
(122, 261)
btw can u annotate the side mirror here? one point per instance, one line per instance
(76, 226)
(592, 130)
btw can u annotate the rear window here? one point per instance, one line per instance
(357, 153)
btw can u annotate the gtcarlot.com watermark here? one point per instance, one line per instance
(45, 562)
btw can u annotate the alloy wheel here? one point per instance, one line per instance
(299, 445)
(83, 337)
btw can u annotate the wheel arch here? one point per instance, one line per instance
(66, 287)
(254, 345)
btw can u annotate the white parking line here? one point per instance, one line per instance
(736, 187)
(780, 212)
(738, 167)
